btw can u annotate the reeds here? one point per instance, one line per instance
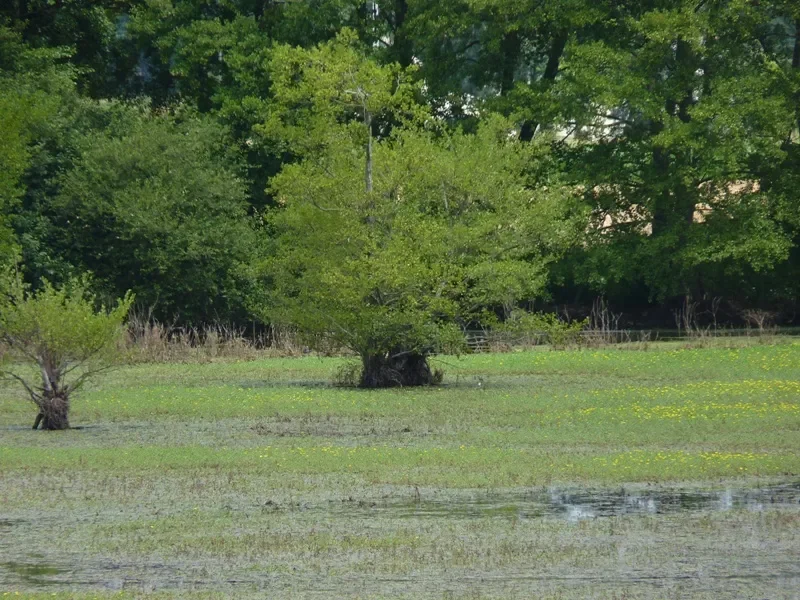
(149, 340)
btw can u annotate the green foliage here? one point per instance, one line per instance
(448, 228)
(323, 95)
(89, 28)
(60, 332)
(347, 375)
(30, 85)
(676, 120)
(558, 333)
(62, 323)
(155, 204)
(151, 203)
(13, 160)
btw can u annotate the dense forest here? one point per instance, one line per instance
(392, 171)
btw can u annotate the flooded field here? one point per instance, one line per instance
(603, 474)
(575, 504)
(640, 541)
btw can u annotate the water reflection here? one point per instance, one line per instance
(578, 504)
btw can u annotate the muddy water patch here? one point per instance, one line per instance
(34, 573)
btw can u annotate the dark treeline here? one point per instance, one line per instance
(154, 144)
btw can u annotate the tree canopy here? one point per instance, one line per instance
(194, 150)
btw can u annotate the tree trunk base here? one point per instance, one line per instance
(397, 370)
(53, 414)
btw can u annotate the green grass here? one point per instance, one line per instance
(208, 471)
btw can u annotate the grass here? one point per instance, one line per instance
(227, 479)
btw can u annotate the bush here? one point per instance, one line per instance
(60, 333)
(559, 334)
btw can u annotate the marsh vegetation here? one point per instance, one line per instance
(664, 473)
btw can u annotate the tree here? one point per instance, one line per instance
(13, 160)
(59, 332)
(90, 28)
(30, 84)
(780, 286)
(504, 52)
(390, 245)
(155, 204)
(674, 117)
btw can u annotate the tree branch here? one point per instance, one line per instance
(35, 397)
(83, 377)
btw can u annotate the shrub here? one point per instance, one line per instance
(559, 334)
(60, 333)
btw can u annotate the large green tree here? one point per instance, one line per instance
(155, 204)
(92, 30)
(504, 52)
(674, 118)
(779, 288)
(213, 55)
(669, 124)
(389, 243)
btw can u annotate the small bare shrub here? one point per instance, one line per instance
(500, 344)
(284, 341)
(687, 321)
(716, 301)
(603, 324)
(761, 319)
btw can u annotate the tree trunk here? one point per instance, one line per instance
(401, 48)
(54, 401)
(510, 47)
(529, 128)
(674, 204)
(400, 369)
(796, 68)
(53, 412)
(661, 200)
(368, 151)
